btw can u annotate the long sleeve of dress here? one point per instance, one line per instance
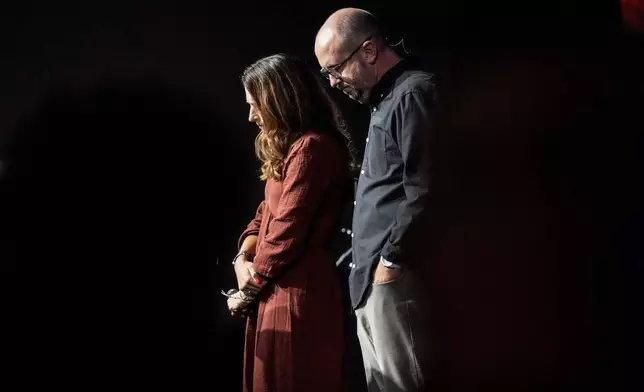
(309, 168)
(253, 226)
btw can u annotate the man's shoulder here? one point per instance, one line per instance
(416, 80)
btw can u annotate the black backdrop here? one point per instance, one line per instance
(128, 171)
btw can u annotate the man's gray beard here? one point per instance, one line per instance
(356, 95)
(364, 98)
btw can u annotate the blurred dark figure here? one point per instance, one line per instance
(111, 206)
(633, 16)
(537, 257)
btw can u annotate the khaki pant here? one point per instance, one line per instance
(392, 332)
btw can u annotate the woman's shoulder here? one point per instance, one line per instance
(319, 154)
(314, 141)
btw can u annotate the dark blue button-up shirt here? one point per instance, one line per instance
(394, 182)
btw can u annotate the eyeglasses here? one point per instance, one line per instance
(336, 70)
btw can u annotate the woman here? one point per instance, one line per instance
(295, 340)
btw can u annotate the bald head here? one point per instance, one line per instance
(346, 29)
(353, 53)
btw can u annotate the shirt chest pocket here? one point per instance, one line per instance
(380, 152)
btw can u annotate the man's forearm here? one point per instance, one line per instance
(410, 221)
(415, 136)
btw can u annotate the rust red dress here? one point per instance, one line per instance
(295, 343)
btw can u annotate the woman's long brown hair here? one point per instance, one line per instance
(291, 99)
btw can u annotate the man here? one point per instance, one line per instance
(391, 196)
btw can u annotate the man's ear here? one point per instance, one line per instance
(370, 51)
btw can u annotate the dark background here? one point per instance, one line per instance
(128, 172)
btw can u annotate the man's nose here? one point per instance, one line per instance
(334, 81)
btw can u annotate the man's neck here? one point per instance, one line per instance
(387, 61)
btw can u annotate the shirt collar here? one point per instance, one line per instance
(386, 83)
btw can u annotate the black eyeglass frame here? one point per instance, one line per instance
(335, 70)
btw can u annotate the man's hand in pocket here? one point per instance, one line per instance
(385, 274)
